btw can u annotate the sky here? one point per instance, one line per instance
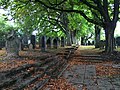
(117, 30)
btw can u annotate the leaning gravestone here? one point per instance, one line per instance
(12, 44)
(33, 41)
(43, 43)
(49, 42)
(62, 41)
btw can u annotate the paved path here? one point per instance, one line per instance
(83, 77)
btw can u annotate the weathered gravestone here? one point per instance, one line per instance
(2, 44)
(101, 44)
(43, 43)
(24, 42)
(33, 41)
(55, 43)
(62, 41)
(30, 47)
(12, 44)
(49, 42)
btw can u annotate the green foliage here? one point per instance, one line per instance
(45, 15)
(4, 27)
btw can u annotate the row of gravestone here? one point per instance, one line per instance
(44, 42)
(48, 42)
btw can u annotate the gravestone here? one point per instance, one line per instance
(33, 41)
(39, 41)
(43, 43)
(49, 42)
(12, 44)
(62, 41)
(118, 41)
(30, 47)
(55, 43)
(89, 43)
(2, 44)
(24, 42)
(101, 44)
(59, 41)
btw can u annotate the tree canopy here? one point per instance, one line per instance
(34, 14)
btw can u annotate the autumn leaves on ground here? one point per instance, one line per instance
(82, 56)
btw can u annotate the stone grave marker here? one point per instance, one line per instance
(43, 43)
(24, 42)
(62, 41)
(12, 44)
(55, 43)
(49, 42)
(33, 41)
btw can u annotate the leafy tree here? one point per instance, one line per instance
(106, 12)
(4, 27)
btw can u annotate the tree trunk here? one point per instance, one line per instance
(97, 36)
(73, 38)
(69, 43)
(109, 33)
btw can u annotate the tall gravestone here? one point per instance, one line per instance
(62, 41)
(39, 41)
(59, 41)
(33, 41)
(43, 43)
(12, 44)
(55, 43)
(49, 42)
(24, 42)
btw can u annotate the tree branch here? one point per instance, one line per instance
(75, 11)
(99, 5)
(116, 10)
(57, 4)
(105, 6)
(90, 5)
